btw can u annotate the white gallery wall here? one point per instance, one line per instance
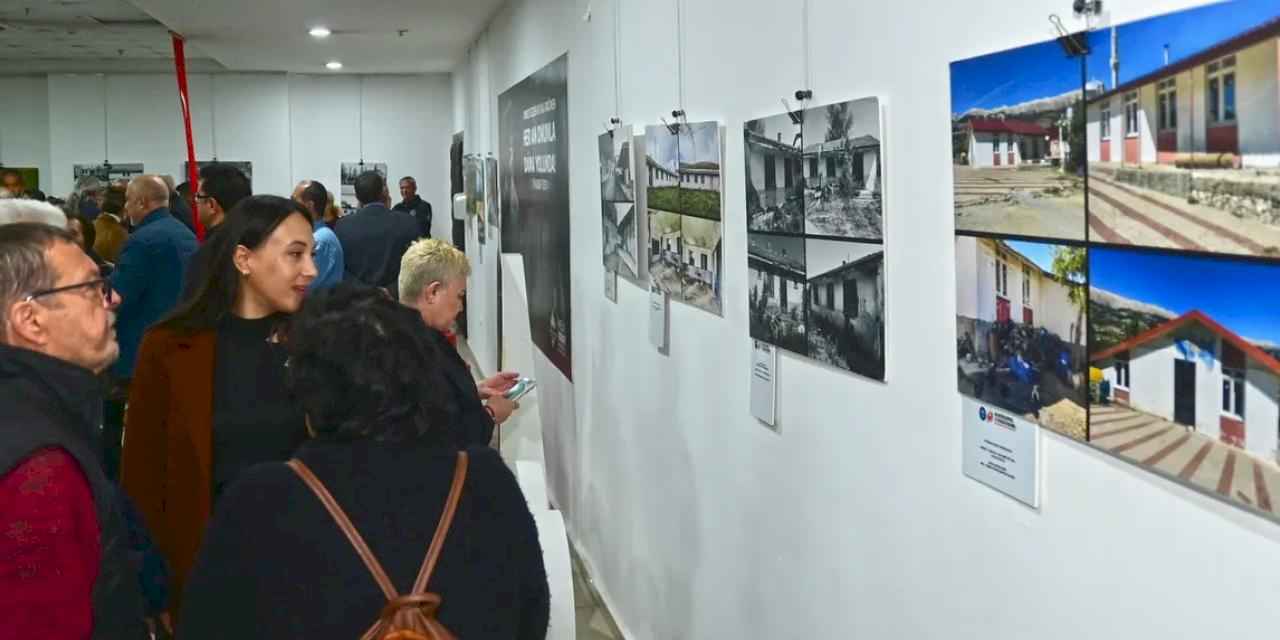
(852, 519)
(290, 127)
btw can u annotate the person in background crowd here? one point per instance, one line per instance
(148, 276)
(415, 206)
(65, 564)
(85, 235)
(14, 211)
(222, 187)
(87, 197)
(329, 265)
(274, 560)
(375, 237)
(433, 280)
(13, 183)
(178, 205)
(38, 195)
(109, 226)
(189, 435)
(331, 213)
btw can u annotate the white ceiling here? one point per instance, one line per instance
(43, 36)
(271, 35)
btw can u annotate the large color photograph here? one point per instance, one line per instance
(533, 126)
(1017, 140)
(1184, 369)
(1184, 141)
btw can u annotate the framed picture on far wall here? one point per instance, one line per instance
(348, 174)
(245, 167)
(19, 181)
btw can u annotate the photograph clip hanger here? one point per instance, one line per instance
(674, 127)
(613, 124)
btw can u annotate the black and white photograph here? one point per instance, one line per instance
(348, 174)
(845, 282)
(702, 249)
(620, 235)
(491, 192)
(245, 167)
(617, 181)
(666, 247)
(775, 180)
(842, 170)
(776, 271)
(107, 172)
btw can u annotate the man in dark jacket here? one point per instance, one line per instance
(433, 280)
(70, 573)
(222, 187)
(375, 237)
(148, 276)
(415, 206)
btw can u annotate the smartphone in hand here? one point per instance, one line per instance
(521, 387)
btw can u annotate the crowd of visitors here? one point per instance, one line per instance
(260, 434)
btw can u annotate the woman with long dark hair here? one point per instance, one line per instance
(208, 397)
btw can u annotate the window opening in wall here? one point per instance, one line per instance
(1105, 124)
(831, 295)
(1026, 286)
(770, 173)
(1131, 114)
(1233, 392)
(1168, 104)
(1122, 374)
(1002, 276)
(1220, 90)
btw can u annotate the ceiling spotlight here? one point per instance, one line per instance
(320, 32)
(333, 65)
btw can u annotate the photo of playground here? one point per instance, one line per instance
(1017, 132)
(1020, 329)
(1184, 369)
(1184, 139)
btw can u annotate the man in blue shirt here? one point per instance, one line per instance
(328, 252)
(148, 277)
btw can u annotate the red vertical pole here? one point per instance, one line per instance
(193, 175)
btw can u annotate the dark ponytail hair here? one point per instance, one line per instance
(249, 223)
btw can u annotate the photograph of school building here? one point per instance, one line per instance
(1017, 136)
(846, 305)
(1020, 326)
(775, 189)
(776, 273)
(1185, 375)
(1184, 143)
(842, 170)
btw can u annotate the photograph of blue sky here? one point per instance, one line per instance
(662, 147)
(1141, 43)
(1011, 77)
(1038, 252)
(1237, 294)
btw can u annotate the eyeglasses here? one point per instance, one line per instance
(103, 285)
(203, 196)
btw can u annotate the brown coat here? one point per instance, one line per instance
(167, 463)
(110, 237)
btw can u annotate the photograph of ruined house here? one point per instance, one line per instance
(842, 170)
(620, 231)
(1184, 141)
(775, 177)
(699, 206)
(666, 246)
(620, 238)
(1020, 327)
(617, 182)
(1185, 379)
(701, 248)
(776, 276)
(1017, 135)
(846, 305)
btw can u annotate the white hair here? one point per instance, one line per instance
(21, 210)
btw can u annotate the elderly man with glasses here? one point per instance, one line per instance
(65, 564)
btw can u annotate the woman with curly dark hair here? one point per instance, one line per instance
(275, 562)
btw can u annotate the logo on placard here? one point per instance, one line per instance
(982, 414)
(991, 416)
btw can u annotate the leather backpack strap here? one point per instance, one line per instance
(349, 529)
(442, 529)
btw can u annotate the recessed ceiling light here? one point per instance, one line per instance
(319, 32)
(333, 65)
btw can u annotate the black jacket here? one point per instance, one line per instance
(44, 403)
(275, 565)
(421, 211)
(199, 266)
(473, 424)
(374, 240)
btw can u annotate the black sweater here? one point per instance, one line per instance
(275, 565)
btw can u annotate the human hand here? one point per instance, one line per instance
(497, 385)
(502, 408)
